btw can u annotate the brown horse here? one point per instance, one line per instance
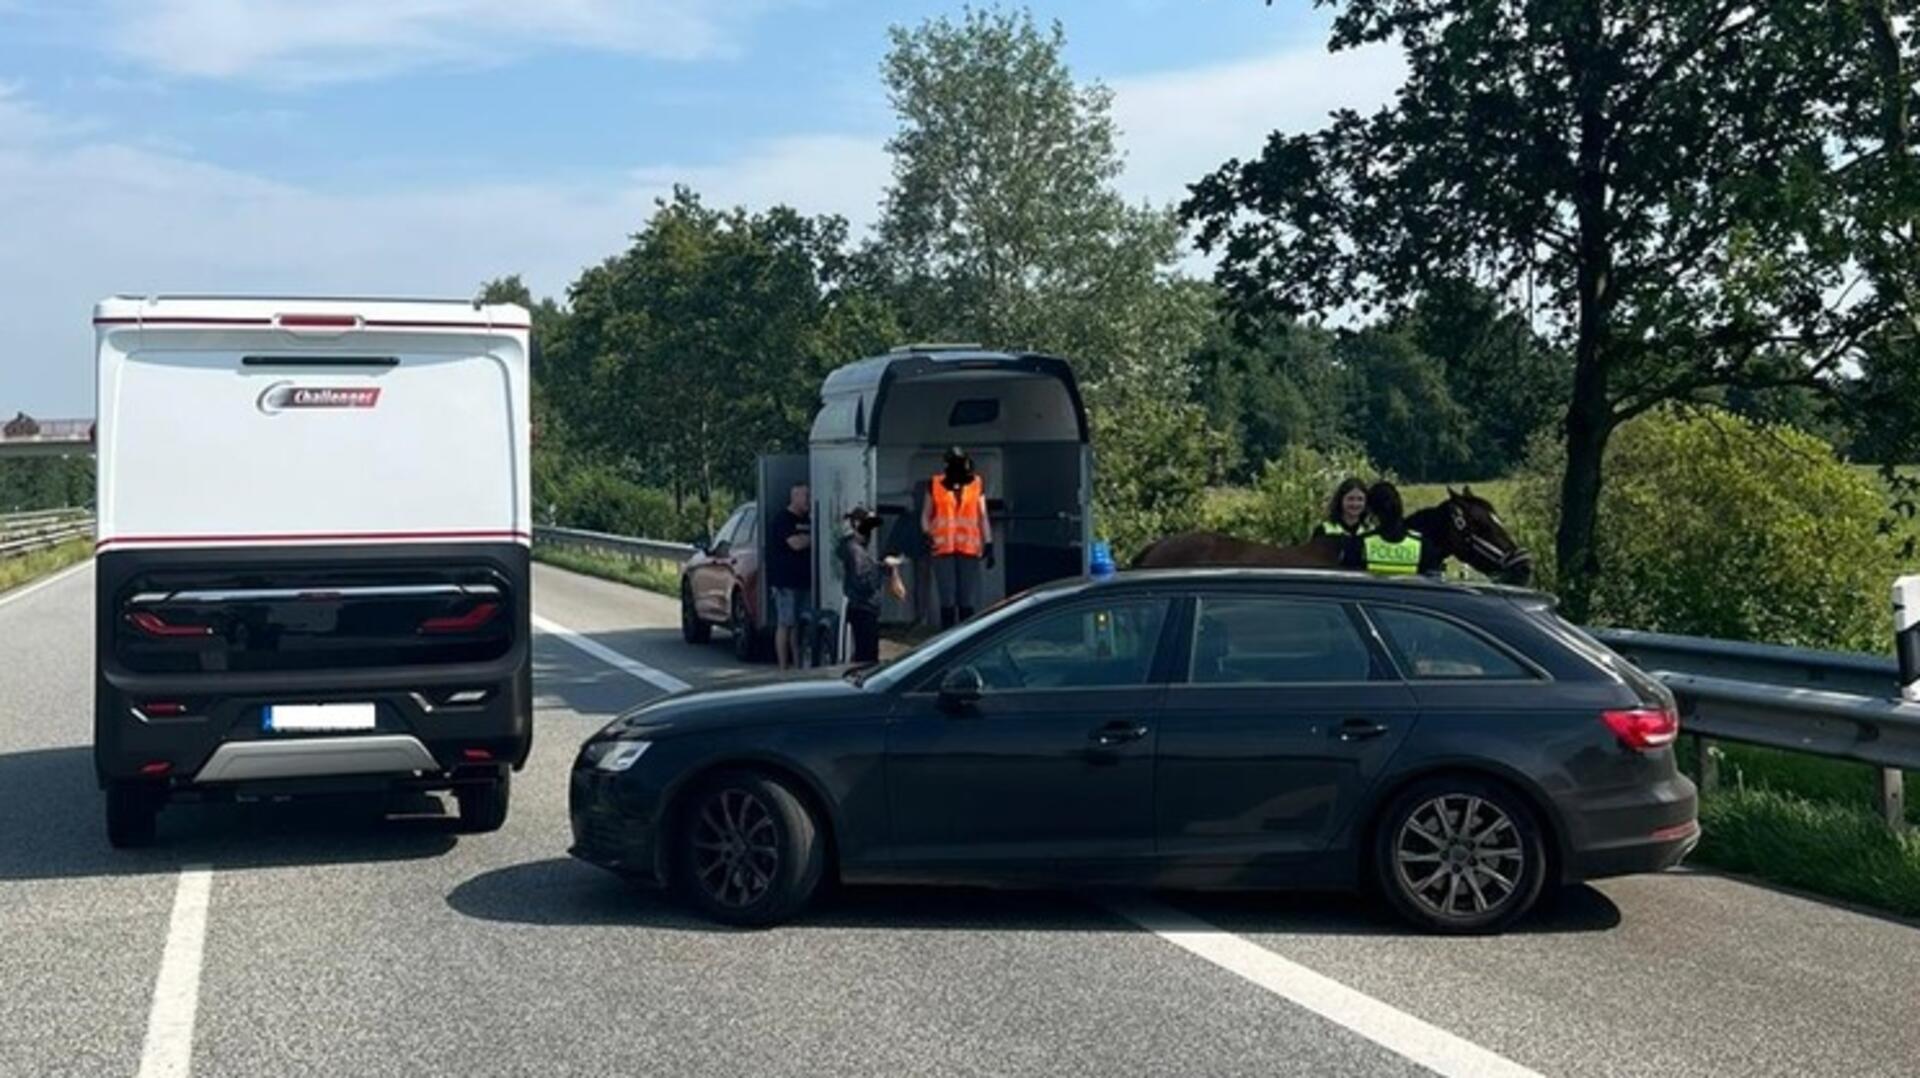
(1465, 526)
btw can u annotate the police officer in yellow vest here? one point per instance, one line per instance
(1389, 548)
(961, 537)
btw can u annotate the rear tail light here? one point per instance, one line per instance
(155, 767)
(163, 709)
(154, 625)
(478, 615)
(1643, 728)
(475, 755)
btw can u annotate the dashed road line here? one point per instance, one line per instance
(659, 679)
(1385, 1025)
(168, 1052)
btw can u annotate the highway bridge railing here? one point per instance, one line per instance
(24, 533)
(1839, 705)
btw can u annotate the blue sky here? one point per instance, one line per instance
(421, 146)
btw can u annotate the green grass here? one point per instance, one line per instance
(1810, 823)
(1829, 849)
(649, 573)
(17, 571)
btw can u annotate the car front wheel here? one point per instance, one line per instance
(747, 850)
(1459, 854)
(692, 629)
(746, 640)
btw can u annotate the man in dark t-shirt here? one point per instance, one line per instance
(789, 570)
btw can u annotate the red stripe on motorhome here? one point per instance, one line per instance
(317, 537)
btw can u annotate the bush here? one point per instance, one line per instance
(1289, 497)
(1836, 850)
(599, 499)
(1712, 525)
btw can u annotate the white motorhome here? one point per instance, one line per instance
(313, 551)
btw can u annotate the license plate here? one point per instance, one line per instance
(314, 718)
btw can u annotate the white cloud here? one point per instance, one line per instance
(89, 214)
(305, 41)
(1179, 125)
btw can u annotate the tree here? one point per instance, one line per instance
(703, 345)
(1269, 389)
(1719, 526)
(1511, 383)
(1699, 190)
(1400, 406)
(1002, 226)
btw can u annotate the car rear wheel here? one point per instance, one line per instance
(1459, 854)
(746, 640)
(692, 629)
(748, 852)
(483, 806)
(132, 815)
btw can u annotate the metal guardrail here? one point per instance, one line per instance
(1769, 664)
(24, 533)
(614, 544)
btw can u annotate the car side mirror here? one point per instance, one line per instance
(703, 543)
(961, 687)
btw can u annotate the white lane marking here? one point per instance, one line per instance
(1390, 1028)
(176, 992)
(47, 582)
(659, 679)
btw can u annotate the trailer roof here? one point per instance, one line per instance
(854, 396)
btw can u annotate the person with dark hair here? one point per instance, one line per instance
(1390, 547)
(955, 520)
(862, 578)
(1346, 510)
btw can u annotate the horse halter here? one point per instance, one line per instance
(1502, 559)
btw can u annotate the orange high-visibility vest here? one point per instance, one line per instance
(956, 520)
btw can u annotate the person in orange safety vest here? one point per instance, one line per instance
(959, 534)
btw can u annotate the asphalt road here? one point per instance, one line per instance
(338, 942)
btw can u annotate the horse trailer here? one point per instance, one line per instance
(313, 551)
(879, 438)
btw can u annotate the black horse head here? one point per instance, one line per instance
(1465, 526)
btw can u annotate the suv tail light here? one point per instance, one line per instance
(1643, 728)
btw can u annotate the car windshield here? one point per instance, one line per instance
(894, 671)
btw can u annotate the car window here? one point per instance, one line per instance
(748, 534)
(1431, 648)
(1265, 641)
(726, 535)
(1110, 645)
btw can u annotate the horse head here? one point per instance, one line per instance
(1467, 527)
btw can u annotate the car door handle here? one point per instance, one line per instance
(1117, 733)
(1359, 730)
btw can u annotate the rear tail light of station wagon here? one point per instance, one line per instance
(1643, 728)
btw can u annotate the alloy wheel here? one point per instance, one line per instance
(736, 848)
(1459, 856)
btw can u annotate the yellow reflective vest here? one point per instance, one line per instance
(1393, 559)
